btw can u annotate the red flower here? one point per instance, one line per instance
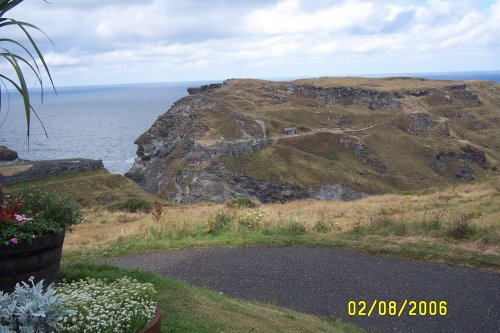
(8, 215)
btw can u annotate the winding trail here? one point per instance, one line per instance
(322, 282)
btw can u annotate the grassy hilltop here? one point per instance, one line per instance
(432, 118)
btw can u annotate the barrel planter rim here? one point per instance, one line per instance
(41, 259)
(154, 325)
(37, 243)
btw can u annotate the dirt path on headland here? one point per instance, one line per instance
(322, 282)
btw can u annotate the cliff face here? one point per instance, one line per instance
(179, 156)
(350, 139)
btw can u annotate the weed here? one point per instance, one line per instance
(253, 220)
(130, 204)
(293, 228)
(218, 223)
(240, 202)
(433, 224)
(460, 228)
(157, 211)
(322, 226)
(359, 227)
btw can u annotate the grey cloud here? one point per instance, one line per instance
(190, 37)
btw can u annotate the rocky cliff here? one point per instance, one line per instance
(351, 137)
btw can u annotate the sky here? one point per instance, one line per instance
(137, 41)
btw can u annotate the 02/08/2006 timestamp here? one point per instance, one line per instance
(397, 309)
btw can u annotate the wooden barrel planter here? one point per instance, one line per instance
(154, 325)
(40, 259)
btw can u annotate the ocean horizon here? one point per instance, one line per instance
(102, 122)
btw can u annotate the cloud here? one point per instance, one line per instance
(288, 16)
(60, 59)
(122, 40)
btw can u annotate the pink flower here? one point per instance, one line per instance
(22, 218)
(13, 240)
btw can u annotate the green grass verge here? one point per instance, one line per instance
(442, 250)
(185, 308)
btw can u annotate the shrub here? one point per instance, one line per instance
(253, 220)
(218, 223)
(131, 204)
(460, 228)
(31, 309)
(293, 228)
(240, 202)
(322, 226)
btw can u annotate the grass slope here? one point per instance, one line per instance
(90, 188)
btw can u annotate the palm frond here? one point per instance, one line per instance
(6, 5)
(17, 61)
(23, 87)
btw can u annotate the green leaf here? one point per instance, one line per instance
(23, 89)
(15, 60)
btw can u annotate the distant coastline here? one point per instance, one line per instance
(493, 75)
(102, 122)
(466, 75)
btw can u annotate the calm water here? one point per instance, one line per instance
(102, 122)
(98, 122)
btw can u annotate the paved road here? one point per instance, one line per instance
(323, 281)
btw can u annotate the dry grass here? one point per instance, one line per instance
(481, 201)
(12, 170)
(387, 84)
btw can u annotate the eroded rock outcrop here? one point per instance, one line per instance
(178, 156)
(372, 99)
(468, 154)
(422, 124)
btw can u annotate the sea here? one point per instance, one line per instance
(102, 122)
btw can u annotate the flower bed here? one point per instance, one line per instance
(90, 305)
(97, 306)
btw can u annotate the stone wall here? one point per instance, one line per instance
(43, 169)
